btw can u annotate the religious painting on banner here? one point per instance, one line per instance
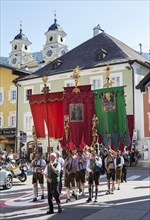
(80, 109)
(76, 112)
(108, 102)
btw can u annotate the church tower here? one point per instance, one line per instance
(20, 54)
(55, 45)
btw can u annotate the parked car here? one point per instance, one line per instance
(6, 179)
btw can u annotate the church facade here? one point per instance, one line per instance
(21, 56)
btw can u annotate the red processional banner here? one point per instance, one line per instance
(79, 107)
(47, 109)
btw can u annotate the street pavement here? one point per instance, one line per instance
(132, 202)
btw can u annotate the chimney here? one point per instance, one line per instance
(97, 30)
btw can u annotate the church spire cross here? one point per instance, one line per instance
(20, 26)
(55, 15)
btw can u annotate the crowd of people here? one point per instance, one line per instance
(78, 166)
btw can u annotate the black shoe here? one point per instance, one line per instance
(108, 192)
(35, 200)
(89, 200)
(75, 196)
(42, 196)
(95, 200)
(80, 190)
(49, 212)
(68, 200)
(60, 210)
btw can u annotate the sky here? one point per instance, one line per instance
(126, 20)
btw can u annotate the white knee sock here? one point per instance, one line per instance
(35, 192)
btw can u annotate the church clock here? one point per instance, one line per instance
(49, 53)
(14, 60)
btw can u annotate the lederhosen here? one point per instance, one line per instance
(69, 175)
(80, 173)
(118, 169)
(94, 177)
(37, 176)
(111, 173)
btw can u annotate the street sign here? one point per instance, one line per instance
(23, 137)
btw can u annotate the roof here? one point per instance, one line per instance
(15, 71)
(142, 84)
(55, 26)
(111, 51)
(21, 36)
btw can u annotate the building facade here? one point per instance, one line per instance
(8, 106)
(126, 68)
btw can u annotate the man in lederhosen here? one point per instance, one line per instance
(93, 168)
(38, 165)
(110, 165)
(69, 180)
(81, 171)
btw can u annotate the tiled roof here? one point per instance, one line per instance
(111, 51)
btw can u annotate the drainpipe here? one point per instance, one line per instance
(133, 85)
(17, 108)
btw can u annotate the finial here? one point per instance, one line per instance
(20, 26)
(55, 15)
(45, 89)
(76, 76)
(109, 81)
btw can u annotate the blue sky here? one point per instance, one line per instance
(126, 20)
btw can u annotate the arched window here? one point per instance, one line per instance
(51, 38)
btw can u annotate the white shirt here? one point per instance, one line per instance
(61, 161)
(38, 163)
(58, 167)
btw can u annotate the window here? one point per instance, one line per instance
(96, 82)
(28, 121)
(1, 96)
(27, 91)
(12, 120)
(12, 94)
(69, 83)
(100, 55)
(51, 38)
(117, 79)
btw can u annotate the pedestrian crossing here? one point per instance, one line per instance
(130, 177)
(134, 177)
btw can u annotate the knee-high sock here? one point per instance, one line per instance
(96, 193)
(68, 193)
(90, 193)
(83, 189)
(42, 190)
(108, 183)
(35, 191)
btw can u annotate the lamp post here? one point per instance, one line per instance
(46, 90)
